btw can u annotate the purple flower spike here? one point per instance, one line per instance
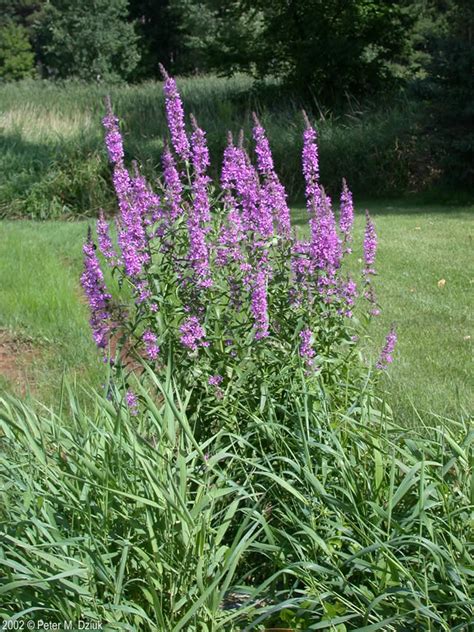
(310, 165)
(113, 138)
(346, 218)
(105, 243)
(199, 214)
(386, 354)
(325, 243)
(175, 116)
(132, 402)
(151, 348)
(92, 281)
(370, 245)
(273, 194)
(173, 185)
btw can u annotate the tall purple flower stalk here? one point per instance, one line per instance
(113, 138)
(370, 245)
(310, 166)
(231, 231)
(273, 194)
(105, 242)
(173, 185)
(325, 243)
(241, 176)
(199, 213)
(175, 116)
(135, 201)
(92, 281)
(370, 250)
(385, 357)
(346, 217)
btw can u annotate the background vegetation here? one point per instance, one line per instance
(390, 84)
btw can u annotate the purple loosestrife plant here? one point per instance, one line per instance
(215, 286)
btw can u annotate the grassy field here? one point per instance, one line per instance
(52, 160)
(42, 310)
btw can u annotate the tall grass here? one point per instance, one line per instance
(349, 523)
(53, 163)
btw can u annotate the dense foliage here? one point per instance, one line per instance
(91, 40)
(449, 93)
(16, 54)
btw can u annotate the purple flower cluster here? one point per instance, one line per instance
(175, 116)
(132, 402)
(92, 281)
(151, 347)
(193, 334)
(325, 243)
(215, 380)
(135, 200)
(370, 250)
(385, 357)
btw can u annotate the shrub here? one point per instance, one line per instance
(16, 54)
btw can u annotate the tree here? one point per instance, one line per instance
(323, 48)
(90, 40)
(449, 91)
(16, 54)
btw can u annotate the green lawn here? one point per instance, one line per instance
(40, 299)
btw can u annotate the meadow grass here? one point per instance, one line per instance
(53, 162)
(40, 298)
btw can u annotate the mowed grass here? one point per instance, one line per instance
(41, 302)
(40, 298)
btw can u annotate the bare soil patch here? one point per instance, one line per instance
(17, 356)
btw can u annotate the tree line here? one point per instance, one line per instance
(324, 51)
